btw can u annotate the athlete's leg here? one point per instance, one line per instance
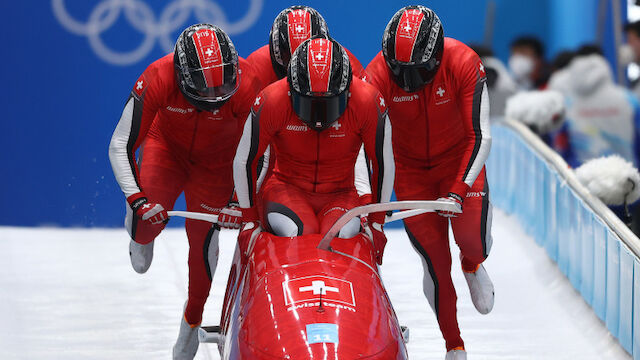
(334, 209)
(206, 191)
(472, 228)
(287, 211)
(162, 179)
(429, 236)
(472, 231)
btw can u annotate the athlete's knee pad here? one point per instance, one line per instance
(351, 229)
(282, 225)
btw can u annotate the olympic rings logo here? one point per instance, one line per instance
(142, 18)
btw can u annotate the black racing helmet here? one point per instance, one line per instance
(206, 66)
(291, 28)
(319, 78)
(412, 46)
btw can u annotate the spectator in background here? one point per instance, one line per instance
(602, 117)
(499, 82)
(589, 49)
(559, 78)
(631, 51)
(562, 60)
(527, 63)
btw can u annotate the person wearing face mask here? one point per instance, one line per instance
(500, 84)
(527, 63)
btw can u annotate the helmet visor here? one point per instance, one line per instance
(319, 112)
(411, 76)
(213, 83)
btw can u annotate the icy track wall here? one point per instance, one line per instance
(591, 246)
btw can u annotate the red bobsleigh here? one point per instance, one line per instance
(310, 297)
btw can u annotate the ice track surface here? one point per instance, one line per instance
(72, 294)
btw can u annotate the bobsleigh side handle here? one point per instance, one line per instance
(194, 215)
(414, 207)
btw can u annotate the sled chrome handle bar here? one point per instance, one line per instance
(413, 208)
(194, 215)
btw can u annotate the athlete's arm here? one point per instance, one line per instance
(474, 102)
(362, 178)
(137, 116)
(378, 148)
(255, 139)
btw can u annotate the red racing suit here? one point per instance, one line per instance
(313, 176)
(260, 60)
(441, 139)
(181, 149)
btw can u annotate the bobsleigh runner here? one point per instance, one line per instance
(310, 296)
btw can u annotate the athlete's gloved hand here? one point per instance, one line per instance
(147, 211)
(230, 217)
(365, 199)
(376, 224)
(455, 199)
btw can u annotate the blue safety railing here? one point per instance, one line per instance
(593, 248)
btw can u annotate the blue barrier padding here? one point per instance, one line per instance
(636, 309)
(575, 241)
(586, 259)
(564, 233)
(551, 244)
(613, 284)
(625, 328)
(540, 198)
(586, 250)
(600, 268)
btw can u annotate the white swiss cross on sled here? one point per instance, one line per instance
(318, 287)
(312, 288)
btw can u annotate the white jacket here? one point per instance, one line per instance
(601, 116)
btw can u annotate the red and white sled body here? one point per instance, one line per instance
(287, 299)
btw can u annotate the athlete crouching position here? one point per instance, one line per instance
(315, 122)
(290, 28)
(439, 109)
(189, 109)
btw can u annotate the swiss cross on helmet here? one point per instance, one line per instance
(291, 28)
(206, 66)
(319, 78)
(412, 46)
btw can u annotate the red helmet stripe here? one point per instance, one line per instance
(407, 33)
(210, 56)
(299, 26)
(319, 57)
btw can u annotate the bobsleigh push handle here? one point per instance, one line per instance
(194, 215)
(412, 208)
